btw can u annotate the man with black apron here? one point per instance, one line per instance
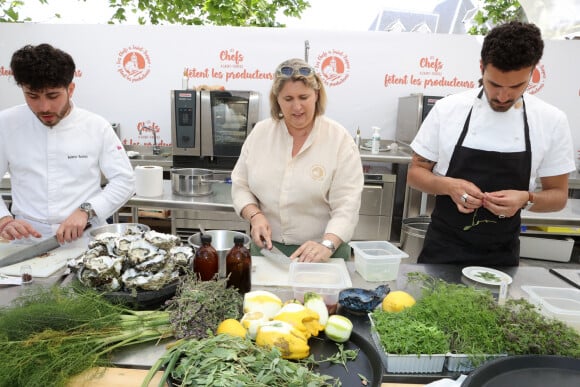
(483, 167)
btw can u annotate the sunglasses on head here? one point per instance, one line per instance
(289, 71)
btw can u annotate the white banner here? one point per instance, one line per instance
(125, 73)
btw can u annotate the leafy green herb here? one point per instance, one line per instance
(50, 335)
(340, 357)
(225, 360)
(487, 276)
(363, 379)
(200, 306)
(476, 222)
(476, 325)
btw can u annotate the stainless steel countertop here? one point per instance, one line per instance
(219, 200)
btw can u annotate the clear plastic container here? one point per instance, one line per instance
(377, 260)
(560, 303)
(325, 279)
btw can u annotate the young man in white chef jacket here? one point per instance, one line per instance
(56, 152)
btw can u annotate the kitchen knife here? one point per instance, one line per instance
(276, 256)
(30, 252)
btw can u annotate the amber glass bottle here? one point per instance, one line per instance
(239, 266)
(206, 261)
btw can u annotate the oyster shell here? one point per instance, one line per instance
(123, 243)
(163, 241)
(133, 260)
(141, 251)
(155, 263)
(148, 281)
(182, 255)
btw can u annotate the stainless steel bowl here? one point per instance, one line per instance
(191, 181)
(119, 228)
(222, 241)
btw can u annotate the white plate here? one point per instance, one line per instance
(486, 275)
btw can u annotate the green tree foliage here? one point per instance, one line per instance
(254, 13)
(494, 12)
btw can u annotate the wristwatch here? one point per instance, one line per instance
(328, 244)
(88, 209)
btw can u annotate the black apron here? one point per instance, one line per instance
(492, 241)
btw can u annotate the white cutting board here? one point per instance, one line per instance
(267, 273)
(46, 264)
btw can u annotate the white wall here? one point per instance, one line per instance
(358, 96)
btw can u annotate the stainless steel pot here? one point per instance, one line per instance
(191, 181)
(413, 236)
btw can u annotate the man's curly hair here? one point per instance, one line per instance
(43, 66)
(512, 46)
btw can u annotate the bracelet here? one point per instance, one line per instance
(6, 224)
(254, 214)
(530, 196)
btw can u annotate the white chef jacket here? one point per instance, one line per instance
(316, 192)
(54, 170)
(550, 136)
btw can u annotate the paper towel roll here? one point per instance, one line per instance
(148, 180)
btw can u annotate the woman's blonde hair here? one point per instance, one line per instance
(313, 81)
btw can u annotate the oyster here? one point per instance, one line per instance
(148, 281)
(132, 260)
(99, 280)
(123, 244)
(163, 241)
(182, 255)
(155, 263)
(104, 264)
(141, 251)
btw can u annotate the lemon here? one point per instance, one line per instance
(231, 327)
(397, 301)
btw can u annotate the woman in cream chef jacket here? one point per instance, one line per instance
(299, 177)
(55, 153)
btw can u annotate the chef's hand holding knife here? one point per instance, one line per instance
(69, 230)
(261, 233)
(73, 227)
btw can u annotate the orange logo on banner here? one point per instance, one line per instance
(537, 80)
(333, 67)
(133, 63)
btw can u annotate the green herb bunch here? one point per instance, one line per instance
(528, 332)
(50, 335)
(401, 334)
(199, 306)
(225, 360)
(474, 323)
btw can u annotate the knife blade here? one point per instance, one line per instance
(30, 252)
(276, 256)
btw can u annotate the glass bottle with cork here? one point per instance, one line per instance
(239, 266)
(206, 261)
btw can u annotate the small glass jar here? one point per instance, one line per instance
(26, 274)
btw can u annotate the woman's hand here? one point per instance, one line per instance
(311, 251)
(260, 231)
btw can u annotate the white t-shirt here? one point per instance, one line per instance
(303, 197)
(550, 136)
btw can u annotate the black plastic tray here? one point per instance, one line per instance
(527, 370)
(368, 362)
